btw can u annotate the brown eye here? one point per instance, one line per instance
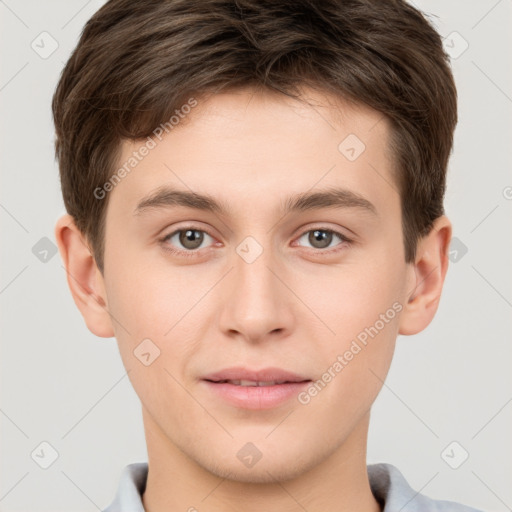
(190, 238)
(322, 238)
(186, 240)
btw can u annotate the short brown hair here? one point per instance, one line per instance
(137, 62)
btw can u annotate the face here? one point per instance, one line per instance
(313, 287)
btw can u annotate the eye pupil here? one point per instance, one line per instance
(191, 238)
(322, 236)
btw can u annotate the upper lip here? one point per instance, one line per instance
(263, 375)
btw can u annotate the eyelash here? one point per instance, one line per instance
(193, 253)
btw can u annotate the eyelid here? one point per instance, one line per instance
(190, 225)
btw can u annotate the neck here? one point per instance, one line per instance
(177, 482)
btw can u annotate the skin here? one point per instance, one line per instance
(297, 306)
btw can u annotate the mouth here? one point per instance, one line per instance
(239, 375)
(253, 383)
(255, 390)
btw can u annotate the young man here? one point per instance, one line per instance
(255, 211)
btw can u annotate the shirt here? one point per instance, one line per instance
(388, 486)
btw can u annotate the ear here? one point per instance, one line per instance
(430, 270)
(84, 278)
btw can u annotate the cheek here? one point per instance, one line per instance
(363, 310)
(359, 295)
(152, 297)
(356, 360)
(152, 329)
(160, 304)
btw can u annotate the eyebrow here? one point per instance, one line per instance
(332, 197)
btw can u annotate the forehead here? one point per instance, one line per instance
(249, 147)
(246, 109)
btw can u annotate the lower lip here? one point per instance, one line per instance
(257, 397)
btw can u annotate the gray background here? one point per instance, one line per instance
(62, 385)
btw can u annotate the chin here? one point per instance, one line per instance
(273, 465)
(264, 474)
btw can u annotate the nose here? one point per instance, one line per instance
(256, 304)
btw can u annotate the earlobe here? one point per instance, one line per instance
(84, 278)
(430, 271)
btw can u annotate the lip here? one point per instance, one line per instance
(263, 375)
(255, 397)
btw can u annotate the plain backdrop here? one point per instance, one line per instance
(449, 391)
